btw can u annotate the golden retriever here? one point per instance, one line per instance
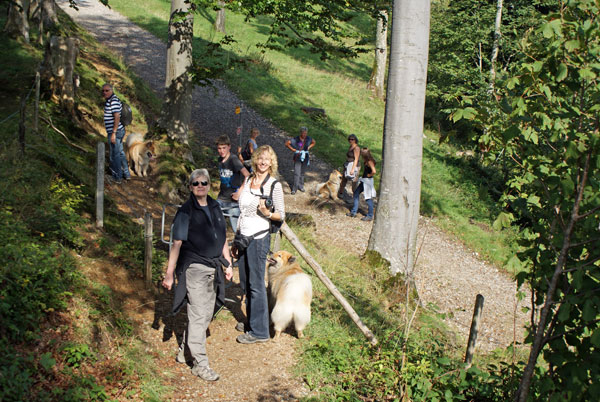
(139, 153)
(291, 291)
(331, 187)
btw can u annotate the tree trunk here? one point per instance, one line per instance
(496, 45)
(395, 228)
(49, 16)
(176, 111)
(17, 23)
(377, 80)
(220, 21)
(57, 72)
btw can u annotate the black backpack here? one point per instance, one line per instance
(126, 114)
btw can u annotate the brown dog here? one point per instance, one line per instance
(291, 290)
(331, 187)
(139, 153)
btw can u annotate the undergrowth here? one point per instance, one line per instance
(55, 321)
(419, 363)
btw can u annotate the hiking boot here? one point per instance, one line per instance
(367, 218)
(293, 192)
(240, 326)
(249, 338)
(350, 214)
(205, 372)
(301, 189)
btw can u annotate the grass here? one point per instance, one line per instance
(455, 192)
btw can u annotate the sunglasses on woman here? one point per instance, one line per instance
(196, 183)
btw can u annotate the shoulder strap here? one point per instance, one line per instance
(272, 187)
(262, 192)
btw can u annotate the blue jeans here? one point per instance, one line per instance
(118, 162)
(357, 192)
(252, 277)
(231, 209)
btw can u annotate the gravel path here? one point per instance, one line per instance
(449, 276)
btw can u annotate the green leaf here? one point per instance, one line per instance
(589, 310)
(514, 264)
(587, 74)
(564, 312)
(595, 338)
(552, 28)
(534, 200)
(503, 220)
(47, 361)
(571, 45)
(562, 72)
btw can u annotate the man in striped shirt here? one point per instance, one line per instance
(115, 132)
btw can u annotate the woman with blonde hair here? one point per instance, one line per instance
(257, 212)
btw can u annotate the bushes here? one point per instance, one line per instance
(36, 277)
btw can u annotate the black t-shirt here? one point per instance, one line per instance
(231, 178)
(202, 236)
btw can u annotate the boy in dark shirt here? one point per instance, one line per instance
(232, 173)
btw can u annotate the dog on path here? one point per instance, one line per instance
(139, 153)
(330, 188)
(291, 292)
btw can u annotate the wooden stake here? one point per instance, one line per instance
(148, 249)
(293, 239)
(100, 185)
(474, 330)
(36, 111)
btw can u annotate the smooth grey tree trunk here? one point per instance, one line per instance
(176, 111)
(17, 22)
(395, 227)
(220, 20)
(496, 44)
(377, 80)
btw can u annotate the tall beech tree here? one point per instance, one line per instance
(549, 130)
(395, 228)
(377, 80)
(176, 113)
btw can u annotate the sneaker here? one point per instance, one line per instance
(301, 189)
(205, 372)
(128, 179)
(240, 326)
(249, 338)
(350, 214)
(112, 180)
(367, 218)
(293, 192)
(180, 356)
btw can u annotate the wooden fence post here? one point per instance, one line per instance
(22, 125)
(148, 249)
(36, 112)
(474, 330)
(100, 185)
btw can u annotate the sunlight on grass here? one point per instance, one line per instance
(279, 84)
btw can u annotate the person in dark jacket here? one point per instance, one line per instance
(300, 146)
(201, 260)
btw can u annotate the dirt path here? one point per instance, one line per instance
(449, 275)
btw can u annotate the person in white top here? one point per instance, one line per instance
(255, 220)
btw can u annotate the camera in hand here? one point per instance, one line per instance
(268, 201)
